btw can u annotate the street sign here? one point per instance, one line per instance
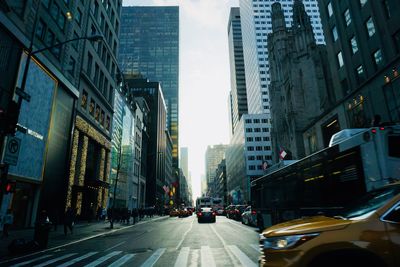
(12, 149)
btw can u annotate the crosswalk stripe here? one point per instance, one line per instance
(244, 260)
(73, 261)
(30, 261)
(103, 259)
(154, 258)
(122, 260)
(182, 258)
(256, 247)
(55, 260)
(207, 259)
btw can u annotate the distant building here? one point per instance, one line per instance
(247, 156)
(214, 155)
(156, 148)
(184, 161)
(238, 95)
(203, 185)
(149, 45)
(220, 182)
(300, 88)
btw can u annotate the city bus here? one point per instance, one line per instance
(202, 202)
(357, 161)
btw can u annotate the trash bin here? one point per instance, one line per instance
(42, 231)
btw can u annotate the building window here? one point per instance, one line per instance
(78, 16)
(250, 148)
(40, 29)
(265, 130)
(71, 65)
(258, 148)
(370, 27)
(353, 43)
(91, 107)
(330, 11)
(266, 138)
(334, 34)
(267, 148)
(50, 38)
(363, 2)
(250, 158)
(84, 99)
(347, 17)
(61, 21)
(378, 58)
(360, 73)
(249, 139)
(249, 130)
(340, 59)
(386, 8)
(252, 167)
(54, 11)
(257, 130)
(89, 64)
(248, 121)
(259, 157)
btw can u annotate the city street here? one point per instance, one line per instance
(177, 241)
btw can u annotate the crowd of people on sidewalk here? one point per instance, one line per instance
(124, 215)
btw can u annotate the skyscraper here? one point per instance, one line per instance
(256, 25)
(238, 96)
(149, 45)
(214, 155)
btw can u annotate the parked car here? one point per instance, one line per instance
(206, 215)
(249, 216)
(236, 213)
(220, 212)
(366, 233)
(229, 210)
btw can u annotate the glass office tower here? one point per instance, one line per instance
(149, 46)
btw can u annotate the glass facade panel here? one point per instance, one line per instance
(370, 27)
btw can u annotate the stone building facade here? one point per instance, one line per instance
(300, 82)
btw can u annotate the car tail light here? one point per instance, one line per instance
(237, 211)
(382, 128)
(254, 212)
(373, 131)
(213, 213)
(200, 214)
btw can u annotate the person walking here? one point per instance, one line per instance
(8, 220)
(69, 220)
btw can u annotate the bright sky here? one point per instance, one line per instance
(204, 76)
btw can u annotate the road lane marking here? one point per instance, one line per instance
(83, 239)
(184, 235)
(243, 227)
(224, 244)
(244, 260)
(207, 259)
(30, 261)
(119, 244)
(103, 259)
(55, 260)
(153, 258)
(182, 257)
(256, 247)
(122, 260)
(73, 261)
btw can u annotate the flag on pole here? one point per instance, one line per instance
(282, 153)
(265, 165)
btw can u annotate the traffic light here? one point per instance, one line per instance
(9, 118)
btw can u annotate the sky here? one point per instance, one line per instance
(204, 81)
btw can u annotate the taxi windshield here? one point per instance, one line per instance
(370, 202)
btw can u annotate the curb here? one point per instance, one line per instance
(83, 239)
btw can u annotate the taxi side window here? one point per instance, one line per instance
(394, 214)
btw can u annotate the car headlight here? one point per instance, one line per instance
(285, 242)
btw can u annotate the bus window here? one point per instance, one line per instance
(394, 146)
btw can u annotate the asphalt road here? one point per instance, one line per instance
(165, 242)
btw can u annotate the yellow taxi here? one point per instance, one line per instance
(366, 233)
(174, 213)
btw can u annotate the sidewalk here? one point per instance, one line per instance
(57, 238)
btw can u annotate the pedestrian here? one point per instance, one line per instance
(69, 220)
(42, 229)
(8, 220)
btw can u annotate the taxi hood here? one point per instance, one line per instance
(306, 225)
